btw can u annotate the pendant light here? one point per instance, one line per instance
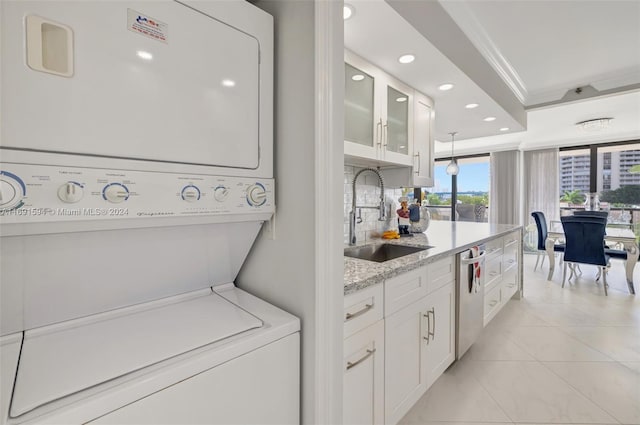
(452, 168)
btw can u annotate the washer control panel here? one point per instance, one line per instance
(40, 193)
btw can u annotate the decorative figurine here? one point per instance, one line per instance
(403, 216)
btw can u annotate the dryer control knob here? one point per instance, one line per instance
(190, 193)
(12, 190)
(115, 193)
(256, 195)
(220, 193)
(71, 192)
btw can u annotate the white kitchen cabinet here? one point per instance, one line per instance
(378, 115)
(502, 273)
(419, 346)
(405, 343)
(363, 385)
(441, 332)
(423, 155)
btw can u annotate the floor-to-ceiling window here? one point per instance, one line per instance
(612, 171)
(464, 197)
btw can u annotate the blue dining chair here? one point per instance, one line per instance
(584, 237)
(541, 224)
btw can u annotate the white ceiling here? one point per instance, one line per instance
(553, 126)
(363, 35)
(550, 47)
(540, 49)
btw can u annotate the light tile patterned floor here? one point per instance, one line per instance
(559, 355)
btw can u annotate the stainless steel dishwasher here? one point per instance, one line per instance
(469, 298)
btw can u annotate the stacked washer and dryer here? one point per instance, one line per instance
(136, 173)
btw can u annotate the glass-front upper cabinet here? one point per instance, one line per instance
(358, 106)
(378, 115)
(397, 125)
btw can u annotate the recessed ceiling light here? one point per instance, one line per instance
(228, 83)
(347, 11)
(406, 58)
(144, 55)
(488, 119)
(446, 87)
(471, 105)
(357, 77)
(401, 99)
(504, 129)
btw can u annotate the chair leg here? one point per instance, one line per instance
(579, 269)
(599, 274)
(564, 273)
(537, 259)
(604, 280)
(543, 257)
(572, 267)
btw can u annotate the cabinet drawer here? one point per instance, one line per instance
(511, 239)
(492, 300)
(492, 273)
(362, 308)
(510, 257)
(493, 248)
(402, 290)
(509, 284)
(440, 273)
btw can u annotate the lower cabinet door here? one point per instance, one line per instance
(441, 343)
(405, 333)
(363, 386)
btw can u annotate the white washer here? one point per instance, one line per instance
(136, 174)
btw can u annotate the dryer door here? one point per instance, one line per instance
(145, 80)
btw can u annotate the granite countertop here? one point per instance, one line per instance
(446, 237)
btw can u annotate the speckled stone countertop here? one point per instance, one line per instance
(446, 238)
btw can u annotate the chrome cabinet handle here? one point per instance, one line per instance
(432, 334)
(357, 362)
(386, 134)
(379, 132)
(493, 273)
(366, 308)
(418, 156)
(426, 338)
(492, 303)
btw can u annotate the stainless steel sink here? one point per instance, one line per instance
(383, 252)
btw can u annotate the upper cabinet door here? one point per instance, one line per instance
(423, 141)
(358, 106)
(397, 129)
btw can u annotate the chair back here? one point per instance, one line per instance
(604, 214)
(584, 236)
(541, 223)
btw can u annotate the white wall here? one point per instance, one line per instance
(301, 269)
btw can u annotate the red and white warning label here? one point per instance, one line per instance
(147, 26)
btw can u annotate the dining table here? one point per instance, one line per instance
(615, 234)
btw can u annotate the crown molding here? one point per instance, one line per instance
(475, 32)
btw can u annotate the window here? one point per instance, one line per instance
(471, 193)
(614, 176)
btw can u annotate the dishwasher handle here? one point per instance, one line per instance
(474, 259)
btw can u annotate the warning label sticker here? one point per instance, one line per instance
(147, 26)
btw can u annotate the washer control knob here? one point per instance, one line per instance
(256, 195)
(71, 192)
(220, 193)
(190, 193)
(12, 190)
(115, 193)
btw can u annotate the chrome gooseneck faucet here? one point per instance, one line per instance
(352, 214)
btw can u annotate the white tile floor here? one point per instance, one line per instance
(559, 355)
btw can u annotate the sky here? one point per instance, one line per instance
(473, 177)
